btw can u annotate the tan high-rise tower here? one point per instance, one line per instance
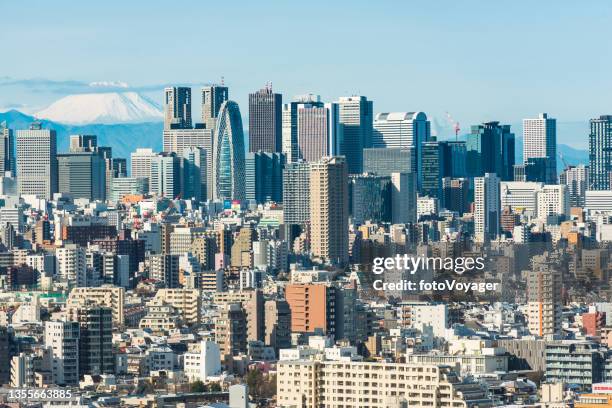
(329, 209)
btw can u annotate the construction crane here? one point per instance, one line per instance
(565, 163)
(454, 124)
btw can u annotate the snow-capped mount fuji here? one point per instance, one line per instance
(102, 108)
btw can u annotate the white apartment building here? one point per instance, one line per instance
(71, 264)
(203, 363)
(63, 339)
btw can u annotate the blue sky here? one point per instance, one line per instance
(479, 60)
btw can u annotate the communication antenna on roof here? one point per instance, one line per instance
(222, 80)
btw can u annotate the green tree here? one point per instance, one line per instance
(198, 386)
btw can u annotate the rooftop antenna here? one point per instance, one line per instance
(222, 80)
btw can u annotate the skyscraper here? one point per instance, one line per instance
(264, 176)
(490, 149)
(296, 193)
(265, 120)
(82, 174)
(329, 209)
(83, 143)
(407, 130)
(177, 140)
(194, 169)
(370, 198)
(355, 115)
(386, 160)
(576, 178)
(600, 153)
(165, 178)
(37, 161)
(432, 169)
(310, 129)
(403, 198)
(213, 97)
(141, 163)
(7, 150)
(177, 108)
(455, 154)
(486, 207)
(316, 131)
(455, 194)
(540, 140)
(228, 148)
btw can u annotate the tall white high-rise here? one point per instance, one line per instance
(540, 140)
(486, 207)
(576, 178)
(141, 163)
(37, 161)
(165, 178)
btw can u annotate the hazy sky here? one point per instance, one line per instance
(479, 60)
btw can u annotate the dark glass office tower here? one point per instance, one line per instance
(265, 120)
(600, 153)
(490, 149)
